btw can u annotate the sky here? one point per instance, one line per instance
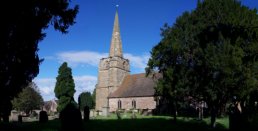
(89, 39)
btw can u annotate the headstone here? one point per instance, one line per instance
(71, 119)
(133, 115)
(86, 113)
(145, 112)
(43, 117)
(14, 115)
(20, 118)
(118, 115)
(105, 111)
(92, 113)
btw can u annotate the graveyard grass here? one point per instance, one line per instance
(141, 123)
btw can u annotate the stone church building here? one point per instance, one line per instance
(116, 87)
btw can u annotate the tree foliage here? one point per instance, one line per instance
(22, 28)
(29, 99)
(210, 54)
(85, 99)
(65, 87)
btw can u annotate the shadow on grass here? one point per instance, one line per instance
(149, 124)
(144, 124)
(52, 125)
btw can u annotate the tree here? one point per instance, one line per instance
(65, 87)
(85, 99)
(167, 59)
(29, 99)
(22, 28)
(216, 49)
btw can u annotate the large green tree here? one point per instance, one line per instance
(65, 87)
(22, 27)
(29, 99)
(85, 99)
(210, 54)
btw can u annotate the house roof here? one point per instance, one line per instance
(137, 85)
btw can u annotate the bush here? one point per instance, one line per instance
(43, 117)
(71, 118)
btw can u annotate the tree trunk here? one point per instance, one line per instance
(5, 117)
(175, 110)
(213, 117)
(200, 113)
(6, 109)
(174, 114)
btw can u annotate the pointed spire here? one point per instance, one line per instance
(116, 43)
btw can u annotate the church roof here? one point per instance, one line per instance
(137, 85)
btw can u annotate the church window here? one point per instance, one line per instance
(119, 103)
(134, 104)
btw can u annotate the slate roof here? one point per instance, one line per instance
(136, 85)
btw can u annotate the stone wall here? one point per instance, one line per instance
(119, 68)
(112, 71)
(101, 98)
(141, 103)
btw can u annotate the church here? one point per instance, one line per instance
(116, 88)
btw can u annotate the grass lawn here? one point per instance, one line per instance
(146, 123)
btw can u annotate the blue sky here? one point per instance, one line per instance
(89, 39)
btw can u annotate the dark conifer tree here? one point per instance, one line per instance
(22, 28)
(65, 87)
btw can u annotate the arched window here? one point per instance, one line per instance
(134, 104)
(119, 104)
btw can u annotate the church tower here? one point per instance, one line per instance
(112, 70)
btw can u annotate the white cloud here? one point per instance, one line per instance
(92, 58)
(46, 87)
(46, 90)
(49, 58)
(75, 58)
(82, 84)
(139, 62)
(85, 82)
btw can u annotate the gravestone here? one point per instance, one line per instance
(43, 117)
(71, 118)
(14, 115)
(86, 113)
(118, 115)
(20, 118)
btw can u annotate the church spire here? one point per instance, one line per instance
(116, 43)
